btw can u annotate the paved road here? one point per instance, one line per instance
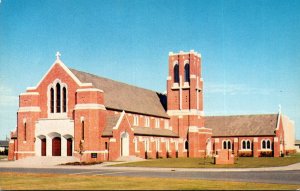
(281, 177)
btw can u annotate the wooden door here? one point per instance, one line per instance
(56, 146)
(69, 147)
(43, 147)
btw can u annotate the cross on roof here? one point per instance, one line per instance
(58, 55)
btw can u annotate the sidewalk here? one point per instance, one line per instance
(105, 165)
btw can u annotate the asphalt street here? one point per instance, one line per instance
(279, 177)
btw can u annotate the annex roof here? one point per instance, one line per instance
(3, 143)
(111, 121)
(121, 96)
(242, 125)
(154, 132)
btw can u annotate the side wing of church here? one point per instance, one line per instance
(74, 113)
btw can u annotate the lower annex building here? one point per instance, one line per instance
(74, 113)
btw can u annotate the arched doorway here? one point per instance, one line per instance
(69, 146)
(125, 144)
(43, 147)
(56, 146)
(208, 147)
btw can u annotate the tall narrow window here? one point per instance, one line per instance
(58, 98)
(186, 145)
(147, 122)
(244, 144)
(224, 145)
(264, 144)
(64, 99)
(187, 73)
(268, 144)
(82, 130)
(25, 131)
(176, 73)
(248, 144)
(52, 100)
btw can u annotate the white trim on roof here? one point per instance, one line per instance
(30, 93)
(119, 120)
(58, 61)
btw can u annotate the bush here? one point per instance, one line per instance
(266, 154)
(245, 154)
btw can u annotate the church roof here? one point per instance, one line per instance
(121, 96)
(154, 132)
(111, 121)
(242, 125)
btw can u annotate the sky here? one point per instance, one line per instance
(250, 48)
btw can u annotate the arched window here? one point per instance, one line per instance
(135, 120)
(52, 100)
(246, 144)
(224, 145)
(25, 131)
(227, 144)
(263, 144)
(82, 130)
(58, 98)
(64, 99)
(186, 145)
(187, 73)
(176, 73)
(147, 122)
(268, 144)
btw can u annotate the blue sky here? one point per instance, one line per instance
(250, 49)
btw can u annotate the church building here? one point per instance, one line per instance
(75, 113)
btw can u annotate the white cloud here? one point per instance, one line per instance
(233, 89)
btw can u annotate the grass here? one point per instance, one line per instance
(25, 181)
(241, 162)
(3, 156)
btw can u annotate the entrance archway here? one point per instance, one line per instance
(208, 147)
(56, 146)
(125, 144)
(43, 147)
(69, 146)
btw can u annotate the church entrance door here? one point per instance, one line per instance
(43, 147)
(69, 147)
(56, 146)
(125, 144)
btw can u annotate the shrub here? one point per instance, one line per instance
(266, 154)
(245, 154)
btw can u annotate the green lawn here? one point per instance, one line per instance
(3, 156)
(18, 181)
(241, 162)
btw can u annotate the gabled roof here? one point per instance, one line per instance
(121, 96)
(242, 125)
(111, 121)
(3, 143)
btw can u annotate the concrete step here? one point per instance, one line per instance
(45, 161)
(130, 158)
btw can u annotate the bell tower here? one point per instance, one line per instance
(185, 102)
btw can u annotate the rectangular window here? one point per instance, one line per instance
(157, 145)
